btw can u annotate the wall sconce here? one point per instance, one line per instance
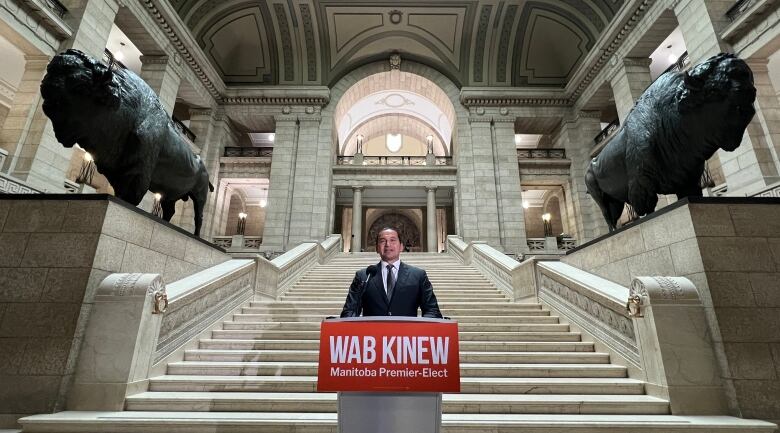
(547, 225)
(264, 200)
(525, 205)
(429, 142)
(87, 170)
(359, 139)
(157, 206)
(241, 223)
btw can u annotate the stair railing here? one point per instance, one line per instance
(276, 276)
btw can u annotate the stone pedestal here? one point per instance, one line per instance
(56, 249)
(730, 249)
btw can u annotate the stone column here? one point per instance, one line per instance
(509, 193)
(753, 165)
(281, 183)
(477, 182)
(701, 22)
(576, 136)
(210, 129)
(24, 112)
(307, 176)
(629, 82)
(430, 214)
(357, 219)
(160, 74)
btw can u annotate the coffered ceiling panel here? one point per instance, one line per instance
(527, 43)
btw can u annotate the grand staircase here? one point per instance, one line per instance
(522, 369)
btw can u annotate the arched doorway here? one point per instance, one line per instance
(408, 230)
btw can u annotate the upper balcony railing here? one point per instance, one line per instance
(541, 154)
(182, 128)
(398, 161)
(111, 61)
(248, 152)
(739, 8)
(682, 62)
(58, 8)
(607, 132)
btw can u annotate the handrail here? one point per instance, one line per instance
(541, 153)
(58, 8)
(248, 152)
(404, 161)
(182, 128)
(606, 132)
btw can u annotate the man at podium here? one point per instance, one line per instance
(391, 287)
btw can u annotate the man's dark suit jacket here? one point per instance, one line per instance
(412, 290)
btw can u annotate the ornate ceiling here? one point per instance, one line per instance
(533, 43)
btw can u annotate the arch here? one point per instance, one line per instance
(407, 229)
(449, 90)
(236, 204)
(554, 203)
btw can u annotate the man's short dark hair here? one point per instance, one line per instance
(385, 229)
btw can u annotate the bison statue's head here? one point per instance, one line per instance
(76, 84)
(718, 95)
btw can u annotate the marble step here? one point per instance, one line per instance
(469, 385)
(215, 355)
(460, 319)
(336, 310)
(442, 300)
(271, 334)
(282, 422)
(466, 327)
(292, 368)
(451, 403)
(507, 346)
(341, 289)
(471, 304)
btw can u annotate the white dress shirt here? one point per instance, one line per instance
(396, 266)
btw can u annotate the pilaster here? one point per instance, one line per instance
(576, 137)
(160, 74)
(479, 206)
(282, 177)
(629, 82)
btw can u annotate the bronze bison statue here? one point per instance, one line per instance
(677, 124)
(115, 116)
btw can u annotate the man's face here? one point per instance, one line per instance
(388, 246)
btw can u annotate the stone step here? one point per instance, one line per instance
(336, 310)
(341, 289)
(471, 385)
(461, 319)
(507, 346)
(214, 355)
(451, 403)
(292, 368)
(476, 327)
(271, 334)
(282, 422)
(488, 305)
(454, 295)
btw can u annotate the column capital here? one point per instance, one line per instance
(430, 188)
(35, 61)
(358, 187)
(758, 65)
(637, 61)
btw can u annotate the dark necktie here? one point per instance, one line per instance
(390, 281)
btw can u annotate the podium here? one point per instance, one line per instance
(389, 372)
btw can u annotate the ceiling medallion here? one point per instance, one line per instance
(394, 100)
(395, 16)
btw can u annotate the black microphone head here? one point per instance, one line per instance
(371, 270)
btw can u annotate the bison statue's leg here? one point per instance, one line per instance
(168, 208)
(198, 204)
(642, 196)
(610, 207)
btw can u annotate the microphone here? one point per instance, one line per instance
(370, 271)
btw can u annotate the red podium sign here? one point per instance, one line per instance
(396, 355)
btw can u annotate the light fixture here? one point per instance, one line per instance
(525, 205)
(429, 142)
(263, 202)
(271, 137)
(359, 141)
(118, 56)
(672, 58)
(87, 171)
(547, 225)
(241, 223)
(394, 142)
(157, 205)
